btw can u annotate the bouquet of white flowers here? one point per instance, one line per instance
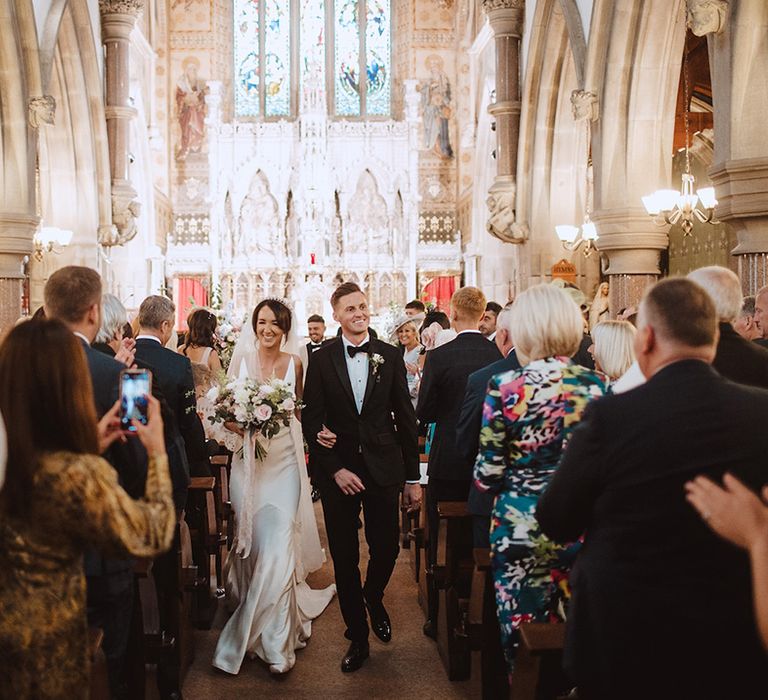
(263, 408)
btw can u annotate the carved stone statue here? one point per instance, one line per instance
(706, 16)
(258, 223)
(368, 218)
(42, 110)
(598, 310)
(584, 105)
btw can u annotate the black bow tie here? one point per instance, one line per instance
(352, 350)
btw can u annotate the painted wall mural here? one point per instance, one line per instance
(190, 108)
(436, 108)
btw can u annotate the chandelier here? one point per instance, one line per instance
(668, 206)
(50, 239)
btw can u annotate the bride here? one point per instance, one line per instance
(276, 542)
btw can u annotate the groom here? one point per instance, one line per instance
(360, 426)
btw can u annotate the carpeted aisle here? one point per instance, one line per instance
(408, 666)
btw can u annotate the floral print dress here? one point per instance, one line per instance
(527, 418)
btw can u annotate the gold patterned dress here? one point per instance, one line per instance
(76, 503)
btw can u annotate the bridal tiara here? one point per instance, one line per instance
(279, 300)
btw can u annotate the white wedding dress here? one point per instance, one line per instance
(276, 546)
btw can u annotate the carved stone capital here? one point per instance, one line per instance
(42, 110)
(584, 105)
(502, 221)
(125, 212)
(706, 16)
(121, 7)
(492, 5)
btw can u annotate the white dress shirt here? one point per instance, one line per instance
(149, 337)
(82, 337)
(357, 369)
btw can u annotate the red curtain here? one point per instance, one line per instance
(189, 292)
(439, 292)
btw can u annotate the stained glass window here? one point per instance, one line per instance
(377, 57)
(247, 58)
(281, 48)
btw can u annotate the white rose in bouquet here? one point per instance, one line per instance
(263, 412)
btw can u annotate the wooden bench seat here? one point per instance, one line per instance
(538, 673)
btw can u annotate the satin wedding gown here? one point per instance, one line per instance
(266, 569)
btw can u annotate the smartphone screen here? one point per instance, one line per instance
(135, 387)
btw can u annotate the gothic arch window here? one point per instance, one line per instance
(284, 47)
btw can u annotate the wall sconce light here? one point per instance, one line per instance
(572, 237)
(48, 239)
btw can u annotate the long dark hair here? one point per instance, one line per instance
(46, 399)
(202, 327)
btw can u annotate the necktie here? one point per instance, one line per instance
(352, 350)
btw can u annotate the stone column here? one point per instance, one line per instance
(738, 56)
(118, 18)
(507, 20)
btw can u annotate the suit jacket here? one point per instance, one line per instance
(385, 429)
(582, 356)
(471, 419)
(129, 459)
(174, 375)
(762, 342)
(740, 360)
(656, 595)
(306, 352)
(441, 395)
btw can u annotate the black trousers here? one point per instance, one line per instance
(380, 505)
(109, 607)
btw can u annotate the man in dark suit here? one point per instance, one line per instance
(173, 373)
(480, 503)
(441, 395)
(761, 315)
(73, 296)
(361, 430)
(745, 324)
(661, 607)
(736, 359)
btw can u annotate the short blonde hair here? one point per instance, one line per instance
(545, 322)
(614, 346)
(469, 303)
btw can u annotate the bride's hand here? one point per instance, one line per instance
(234, 428)
(326, 438)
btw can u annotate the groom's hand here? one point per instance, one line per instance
(348, 482)
(412, 496)
(326, 438)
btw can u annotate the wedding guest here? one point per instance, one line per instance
(745, 324)
(110, 339)
(200, 340)
(736, 359)
(612, 348)
(58, 499)
(480, 503)
(487, 325)
(761, 315)
(643, 622)
(440, 397)
(174, 375)
(407, 334)
(527, 417)
(316, 335)
(415, 308)
(435, 321)
(737, 514)
(73, 295)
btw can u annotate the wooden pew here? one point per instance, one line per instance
(220, 467)
(207, 541)
(451, 581)
(538, 673)
(99, 685)
(489, 667)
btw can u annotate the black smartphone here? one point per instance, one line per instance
(135, 388)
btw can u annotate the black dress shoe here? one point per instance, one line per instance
(380, 623)
(429, 629)
(355, 656)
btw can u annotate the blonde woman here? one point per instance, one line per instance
(612, 347)
(527, 417)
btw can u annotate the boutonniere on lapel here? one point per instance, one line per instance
(376, 361)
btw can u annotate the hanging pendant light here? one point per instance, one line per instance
(668, 206)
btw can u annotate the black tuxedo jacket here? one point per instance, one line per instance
(173, 373)
(655, 592)
(441, 396)
(311, 350)
(471, 419)
(740, 360)
(129, 459)
(384, 431)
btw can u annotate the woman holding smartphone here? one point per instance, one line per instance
(59, 499)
